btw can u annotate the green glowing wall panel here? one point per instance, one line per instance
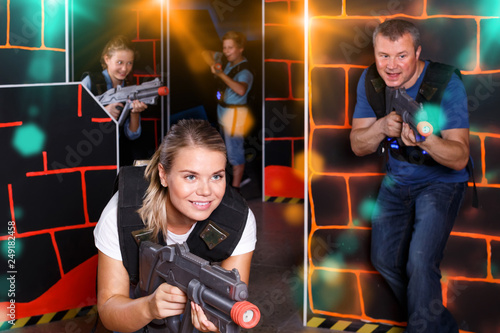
(32, 41)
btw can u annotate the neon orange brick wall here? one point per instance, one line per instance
(342, 188)
(284, 101)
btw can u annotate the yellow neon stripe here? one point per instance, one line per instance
(367, 328)
(340, 325)
(71, 313)
(396, 330)
(20, 322)
(46, 318)
(315, 322)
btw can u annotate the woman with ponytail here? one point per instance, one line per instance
(187, 191)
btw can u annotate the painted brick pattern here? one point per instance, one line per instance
(284, 95)
(32, 35)
(343, 188)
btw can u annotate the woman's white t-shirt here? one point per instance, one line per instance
(106, 233)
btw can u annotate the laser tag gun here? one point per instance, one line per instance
(220, 293)
(412, 112)
(218, 61)
(146, 92)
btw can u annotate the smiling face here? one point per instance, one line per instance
(196, 184)
(119, 65)
(397, 61)
(232, 51)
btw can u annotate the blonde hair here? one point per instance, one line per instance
(117, 43)
(186, 133)
(238, 37)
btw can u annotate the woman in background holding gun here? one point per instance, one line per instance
(117, 60)
(186, 196)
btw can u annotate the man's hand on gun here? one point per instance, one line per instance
(392, 125)
(416, 126)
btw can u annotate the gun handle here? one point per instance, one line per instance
(173, 323)
(186, 323)
(124, 114)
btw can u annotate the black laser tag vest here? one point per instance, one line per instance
(97, 82)
(213, 239)
(221, 86)
(431, 91)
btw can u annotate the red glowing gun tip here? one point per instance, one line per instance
(163, 91)
(245, 314)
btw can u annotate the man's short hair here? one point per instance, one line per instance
(395, 29)
(238, 37)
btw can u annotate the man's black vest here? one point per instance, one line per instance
(213, 239)
(431, 91)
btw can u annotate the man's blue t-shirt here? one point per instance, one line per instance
(454, 114)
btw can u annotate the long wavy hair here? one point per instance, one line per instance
(185, 133)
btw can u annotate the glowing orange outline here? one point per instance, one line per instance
(42, 37)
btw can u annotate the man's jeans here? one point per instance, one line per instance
(410, 228)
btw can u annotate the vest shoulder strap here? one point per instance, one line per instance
(131, 187)
(431, 90)
(435, 81)
(239, 68)
(226, 224)
(375, 91)
(98, 84)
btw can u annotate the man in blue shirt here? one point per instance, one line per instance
(419, 199)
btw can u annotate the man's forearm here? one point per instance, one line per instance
(365, 141)
(238, 87)
(450, 153)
